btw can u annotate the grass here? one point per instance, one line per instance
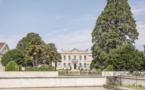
(139, 87)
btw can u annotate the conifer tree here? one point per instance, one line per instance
(114, 27)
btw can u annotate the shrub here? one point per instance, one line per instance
(98, 71)
(139, 85)
(109, 68)
(12, 66)
(42, 68)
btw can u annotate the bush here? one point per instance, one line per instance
(42, 68)
(98, 71)
(109, 68)
(13, 55)
(12, 66)
(139, 85)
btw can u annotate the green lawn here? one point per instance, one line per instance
(139, 87)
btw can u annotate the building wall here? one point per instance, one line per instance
(68, 59)
(3, 50)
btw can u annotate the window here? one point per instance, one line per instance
(80, 65)
(69, 58)
(64, 65)
(84, 64)
(80, 57)
(74, 57)
(64, 57)
(85, 58)
(69, 64)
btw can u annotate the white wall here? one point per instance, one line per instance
(131, 81)
(28, 74)
(51, 82)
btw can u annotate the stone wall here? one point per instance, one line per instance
(51, 82)
(46, 79)
(28, 74)
(132, 80)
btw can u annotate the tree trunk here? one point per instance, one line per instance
(55, 65)
(33, 61)
(51, 65)
(36, 62)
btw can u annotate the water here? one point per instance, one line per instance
(69, 88)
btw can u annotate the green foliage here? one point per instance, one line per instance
(13, 55)
(42, 68)
(109, 68)
(32, 45)
(26, 42)
(98, 71)
(51, 55)
(127, 57)
(28, 61)
(12, 66)
(114, 27)
(79, 68)
(139, 85)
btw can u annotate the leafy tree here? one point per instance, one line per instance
(34, 51)
(51, 54)
(12, 66)
(32, 45)
(127, 57)
(13, 55)
(28, 61)
(114, 27)
(109, 68)
(26, 42)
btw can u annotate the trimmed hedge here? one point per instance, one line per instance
(12, 66)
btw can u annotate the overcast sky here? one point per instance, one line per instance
(67, 23)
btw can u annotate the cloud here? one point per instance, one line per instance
(80, 39)
(11, 40)
(141, 29)
(138, 10)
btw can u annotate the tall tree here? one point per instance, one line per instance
(51, 54)
(32, 46)
(30, 39)
(34, 51)
(114, 27)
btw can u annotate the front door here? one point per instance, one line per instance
(74, 66)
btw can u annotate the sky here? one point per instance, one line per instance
(67, 23)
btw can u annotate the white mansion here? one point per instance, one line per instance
(75, 58)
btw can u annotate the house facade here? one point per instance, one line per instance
(3, 49)
(75, 59)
